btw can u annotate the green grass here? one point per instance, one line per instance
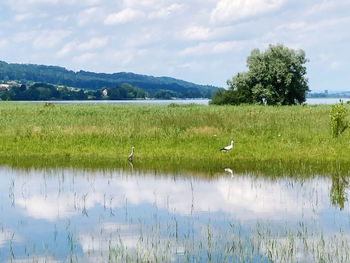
(175, 136)
(261, 243)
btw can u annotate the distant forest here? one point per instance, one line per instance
(44, 91)
(39, 82)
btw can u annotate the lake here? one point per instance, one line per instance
(313, 101)
(310, 101)
(115, 215)
(128, 102)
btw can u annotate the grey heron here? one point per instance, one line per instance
(227, 148)
(131, 165)
(131, 154)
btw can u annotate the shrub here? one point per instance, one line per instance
(337, 119)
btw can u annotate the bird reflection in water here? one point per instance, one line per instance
(229, 170)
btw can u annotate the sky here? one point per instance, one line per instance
(202, 41)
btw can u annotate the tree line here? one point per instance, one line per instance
(44, 91)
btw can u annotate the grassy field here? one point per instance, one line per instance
(174, 136)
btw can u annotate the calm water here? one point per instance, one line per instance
(125, 102)
(310, 101)
(313, 101)
(63, 215)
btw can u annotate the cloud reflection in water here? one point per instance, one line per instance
(46, 196)
(152, 204)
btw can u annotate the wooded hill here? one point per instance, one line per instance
(158, 87)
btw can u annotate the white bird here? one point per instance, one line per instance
(229, 170)
(227, 148)
(131, 154)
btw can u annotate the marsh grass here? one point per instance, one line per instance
(227, 243)
(186, 136)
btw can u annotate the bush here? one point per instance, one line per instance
(337, 119)
(233, 97)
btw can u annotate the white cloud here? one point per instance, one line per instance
(328, 61)
(305, 34)
(37, 259)
(139, 40)
(311, 26)
(61, 19)
(67, 48)
(35, 5)
(326, 6)
(226, 46)
(23, 36)
(165, 11)
(7, 235)
(98, 238)
(85, 57)
(228, 10)
(90, 2)
(93, 43)
(87, 16)
(200, 49)
(123, 57)
(49, 38)
(140, 10)
(3, 43)
(23, 16)
(141, 3)
(44, 39)
(209, 48)
(240, 197)
(96, 242)
(196, 33)
(202, 32)
(49, 208)
(124, 16)
(335, 65)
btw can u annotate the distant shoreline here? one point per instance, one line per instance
(200, 101)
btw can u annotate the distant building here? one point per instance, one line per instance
(4, 87)
(105, 92)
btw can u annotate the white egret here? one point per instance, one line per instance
(131, 154)
(227, 148)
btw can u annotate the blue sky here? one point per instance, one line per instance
(203, 41)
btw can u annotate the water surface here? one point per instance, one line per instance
(310, 101)
(128, 102)
(61, 215)
(314, 101)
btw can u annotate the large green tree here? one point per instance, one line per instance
(275, 77)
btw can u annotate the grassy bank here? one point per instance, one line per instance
(180, 136)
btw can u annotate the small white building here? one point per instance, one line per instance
(4, 87)
(105, 92)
